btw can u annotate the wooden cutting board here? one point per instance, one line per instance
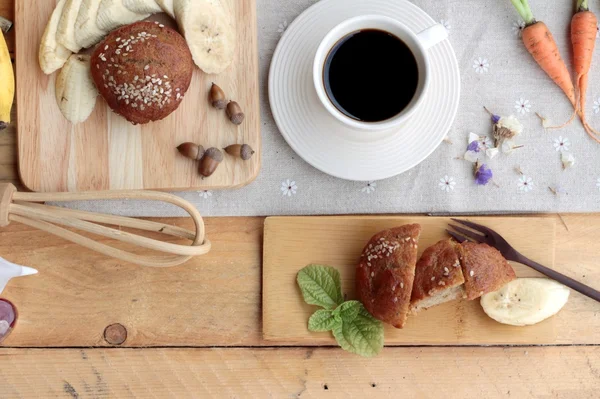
(290, 243)
(107, 152)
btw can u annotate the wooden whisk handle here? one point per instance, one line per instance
(24, 208)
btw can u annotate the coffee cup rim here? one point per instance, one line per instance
(333, 37)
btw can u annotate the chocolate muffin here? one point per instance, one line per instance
(143, 71)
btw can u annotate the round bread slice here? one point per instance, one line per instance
(385, 274)
(143, 71)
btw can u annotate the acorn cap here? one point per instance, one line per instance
(246, 152)
(214, 153)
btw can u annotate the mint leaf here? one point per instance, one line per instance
(363, 335)
(322, 320)
(320, 285)
(348, 311)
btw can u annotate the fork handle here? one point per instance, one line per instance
(561, 278)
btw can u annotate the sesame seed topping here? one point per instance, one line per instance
(407, 239)
(97, 66)
(106, 47)
(372, 274)
(118, 39)
(401, 285)
(441, 283)
(471, 273)
(369, 264)
(161, 26)
(433, 278)
(395, 299)
(146, 67)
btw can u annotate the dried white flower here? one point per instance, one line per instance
(491, 152)
(567, 159)
(512, 124)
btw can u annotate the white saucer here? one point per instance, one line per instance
(326, 143)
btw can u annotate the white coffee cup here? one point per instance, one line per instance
(418, 43)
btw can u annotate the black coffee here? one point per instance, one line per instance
(371, 75)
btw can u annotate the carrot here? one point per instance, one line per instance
(583, 39)
(541, 45)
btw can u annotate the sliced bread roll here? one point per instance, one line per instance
(484, 268)
(438, 277)
(385, 274)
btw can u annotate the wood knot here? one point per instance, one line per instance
(115, 334)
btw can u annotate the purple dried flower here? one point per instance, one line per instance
(482, 173)
(495, 118)
(473, 146)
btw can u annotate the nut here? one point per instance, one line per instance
(212, 158)
(191, 151)
(243, 151)
(217, 97)
(234, 112)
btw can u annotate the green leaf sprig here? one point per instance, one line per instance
(352, 325)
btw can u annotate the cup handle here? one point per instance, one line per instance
(432, 36)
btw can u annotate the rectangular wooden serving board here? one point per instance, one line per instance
(108, 153)
(290, 243)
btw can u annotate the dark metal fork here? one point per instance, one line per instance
(486, 235)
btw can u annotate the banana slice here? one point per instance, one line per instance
(53, 55)
(525, 301)
(142, 6)
(65, 33)
(113, 14)
(208, 30)
(167, 7)
(75, 90)
(87, 32)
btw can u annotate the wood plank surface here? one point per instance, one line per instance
(294, 242)
(535, 372)
(107, 152)
(212, 300)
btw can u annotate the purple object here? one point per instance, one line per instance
(483, 174)
(474, 146)
(8, 318)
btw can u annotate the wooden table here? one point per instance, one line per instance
(195, 331)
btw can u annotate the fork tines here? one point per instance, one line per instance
(478, 235)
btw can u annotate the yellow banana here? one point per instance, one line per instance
(7, 84)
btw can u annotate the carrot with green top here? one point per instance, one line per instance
(541, 45)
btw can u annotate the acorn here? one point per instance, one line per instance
(217, 97)
(191, 151)
(234, 112)
(212, 158)
(243, 151)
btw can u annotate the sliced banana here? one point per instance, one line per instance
(525, 301)
(113, 14)
(142, 6)
(75, 90)
(167, 7)
(208, 30)
(65, 33)
(53, 55)
(87, 32)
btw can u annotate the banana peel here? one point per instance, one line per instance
(7, 81)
